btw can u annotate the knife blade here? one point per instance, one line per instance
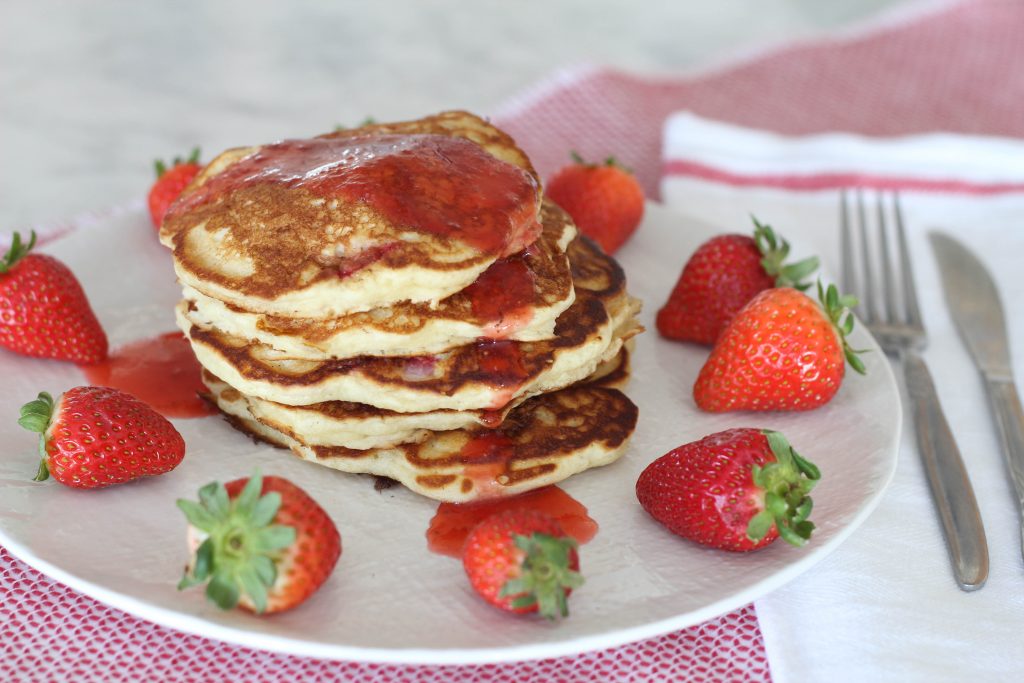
(978, 316)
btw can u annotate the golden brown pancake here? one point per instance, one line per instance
(485, 375)
(543, 441)
(360, 426)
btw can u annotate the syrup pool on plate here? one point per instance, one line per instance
(452, 522)
(162, 371)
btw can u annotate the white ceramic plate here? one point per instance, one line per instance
(390, 599)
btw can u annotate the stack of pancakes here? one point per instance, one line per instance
(401, 300)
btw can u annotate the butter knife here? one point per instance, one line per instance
(978, 315)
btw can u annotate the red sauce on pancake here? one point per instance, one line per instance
(501, 362)
(437, 184)
(492, 418)
(161, 371)
(452, 523)
(488, 446)
(504, 295)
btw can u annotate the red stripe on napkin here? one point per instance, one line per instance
(834, 181)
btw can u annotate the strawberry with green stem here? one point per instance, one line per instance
(735, 490)
(522, 561)
(170, 181)
(261, 544)
(782, 351)
(44, 311)
(721, 276)
(606, 201)
(92, 437)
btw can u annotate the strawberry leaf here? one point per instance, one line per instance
(788, 534)
(246, 500)
(838, 309)
(524, 601)
(786, 483)
(803, 510)
(204, 561)
(515, 587)
(238, 556)
(197, 515)
(774, 252)
(804, 465)
(16, 252)
(265, 509)
(545, 574)
(215, 498)
(759, 525)
(251, 584)
(36, 416)
(265, 569)
(223, 590)
(274, 538)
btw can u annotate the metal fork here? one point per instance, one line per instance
(889, 308)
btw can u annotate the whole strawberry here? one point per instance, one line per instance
(734, 490)
(724, 274)
(522, 561)
(782, 351)
(43, 310)
(261, 544)
(605, 201)
(170, 182)
(92, 437)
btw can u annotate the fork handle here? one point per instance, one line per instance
(947, 477)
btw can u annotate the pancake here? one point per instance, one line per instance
(359, 426)
(484, 375)
(543, 441)
(518, 298)
(355, 220)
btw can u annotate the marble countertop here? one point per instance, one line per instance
(93, 92)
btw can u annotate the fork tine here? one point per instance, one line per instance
(891, 306)
(909, 289)
(867, 295)
(848, 276)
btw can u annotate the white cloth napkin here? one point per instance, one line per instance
(884, 606)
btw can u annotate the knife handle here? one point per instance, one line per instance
(947, 477)
(1002, 393)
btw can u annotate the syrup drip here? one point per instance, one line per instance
(161, 371)
(501, 362)
(488, 446)
(437, 184)
(492, 419)
(503, 295)
(452, 522)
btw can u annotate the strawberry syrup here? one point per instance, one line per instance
(446, 186)
(503, 295)
(452, 522)
(161, 371)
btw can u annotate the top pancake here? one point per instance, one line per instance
(357, 219)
